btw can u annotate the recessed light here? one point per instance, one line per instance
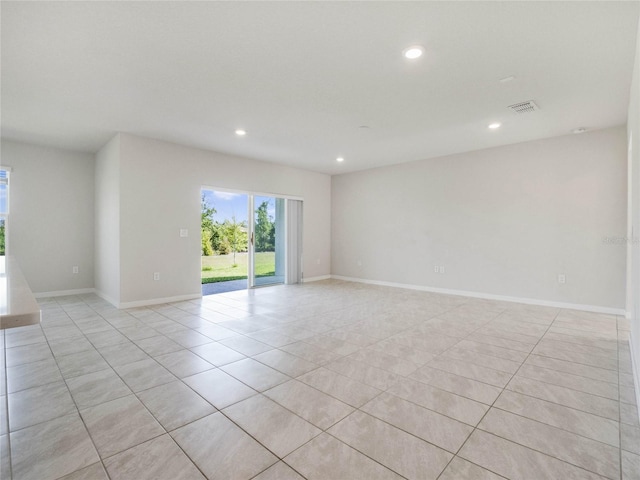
(579, 130)
(339, 159)
(240, 132)
(413, 52)
(493, 126)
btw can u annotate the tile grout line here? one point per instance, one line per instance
(102, 460)
(455, 454)
(166, 432)
(394, 426)
(619, 401)
(535, 379)
(6, 401)
(322, 430)
(525, 446)
(386, 391)
(77, 412)
(132, 393)
(217, 410)
(513, 375)
(502, 391)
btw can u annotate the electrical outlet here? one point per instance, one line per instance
(436, 269)
(156, 276)
(75, 270)
(441, 269)
(359, 263)
(562, 278)
(184, 232)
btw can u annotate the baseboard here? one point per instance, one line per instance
(64, 293)
(157, 301)
(488, 296)
(144, 303)
(112, 301)
(316, 279)
(635, 370)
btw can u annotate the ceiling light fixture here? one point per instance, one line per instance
(507, 79)
(579, 130)
(240, 132)
(413, 52)
(493, 126)
(339, 159)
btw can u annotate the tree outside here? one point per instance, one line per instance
(265, 229)
(222, 242)
(207, 227)
(235, 234)
(221, 238)
(2, 237)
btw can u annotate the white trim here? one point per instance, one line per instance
(635, 369)
(286, 241)
(5, 167)
(316, 279)
(64, 293)
(157, 301)
(630, 233)
(488, 296)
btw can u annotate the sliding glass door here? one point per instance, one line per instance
(248, 240)
(267, 241)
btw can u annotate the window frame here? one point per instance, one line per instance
(5, 215)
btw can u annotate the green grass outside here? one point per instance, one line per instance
(222, 269)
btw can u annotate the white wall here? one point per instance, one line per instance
(51, 217)
(502, 221)
(160, 187)
(633, 263)
(107, 221)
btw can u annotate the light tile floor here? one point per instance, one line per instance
(330, 380)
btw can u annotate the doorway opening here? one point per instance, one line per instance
(249, 240)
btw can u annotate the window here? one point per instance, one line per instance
(4, 207)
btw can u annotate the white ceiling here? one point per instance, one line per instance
(301, 77)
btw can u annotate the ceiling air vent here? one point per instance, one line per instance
(524, 107)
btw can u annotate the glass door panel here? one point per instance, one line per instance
(268, 240)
